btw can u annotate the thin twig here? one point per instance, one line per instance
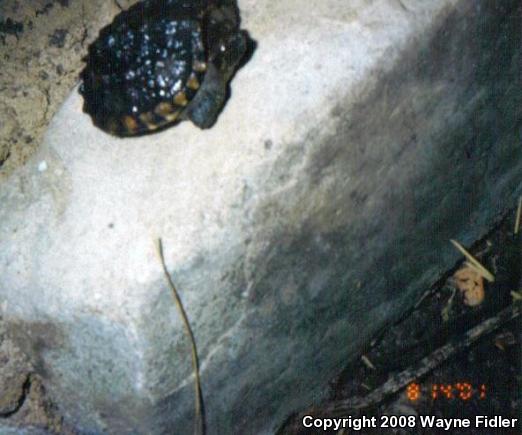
(399, 381)
(199, 423)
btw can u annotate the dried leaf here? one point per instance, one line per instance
(471, 284)
(483, 271)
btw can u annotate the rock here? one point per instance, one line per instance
(14, 377)
(357, 141)
(24, 408)
(5, 430)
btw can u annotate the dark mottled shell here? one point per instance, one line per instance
(146, 66)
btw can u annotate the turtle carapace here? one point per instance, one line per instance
(160, 62)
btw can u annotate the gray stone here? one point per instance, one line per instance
(5, 430)
(14, 377)
(359, 138)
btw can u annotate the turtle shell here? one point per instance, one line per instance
(146, 66)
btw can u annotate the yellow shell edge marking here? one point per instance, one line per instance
(180, 99)
(192, 82)
(112, 126)
(148, 120)
(130, 124)
(199, 66)
(163, 109)
(171, 116)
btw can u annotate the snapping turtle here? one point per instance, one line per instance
(160, 62)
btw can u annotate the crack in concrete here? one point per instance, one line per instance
(21, 400)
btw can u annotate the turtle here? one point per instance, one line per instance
(161, 62)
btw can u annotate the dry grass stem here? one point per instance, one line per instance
(517, 296)
(199, 424)
(367, 362)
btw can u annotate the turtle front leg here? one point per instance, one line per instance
(208, 102)
(210, 98)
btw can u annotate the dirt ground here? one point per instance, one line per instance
(482, 378)
(23, 403)
(42, 43)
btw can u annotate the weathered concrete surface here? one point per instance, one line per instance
(357, 141)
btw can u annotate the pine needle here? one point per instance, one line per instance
(517, 296)
(199, 423)
(517, 218)
(472, 260)
(367, 362)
